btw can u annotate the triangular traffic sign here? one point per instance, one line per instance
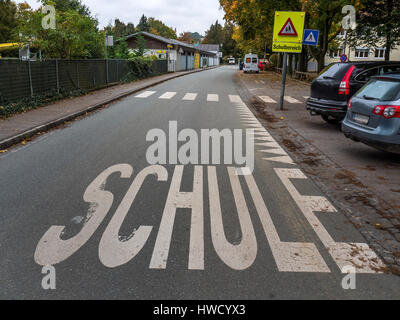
(310, 38)
(288, 29)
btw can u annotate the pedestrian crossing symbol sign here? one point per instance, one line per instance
(311, 37)
(288, 31)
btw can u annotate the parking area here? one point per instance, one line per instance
(365, 181)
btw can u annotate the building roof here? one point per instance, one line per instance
(209, 47)
(169, 41)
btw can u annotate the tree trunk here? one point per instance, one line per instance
(321, 62)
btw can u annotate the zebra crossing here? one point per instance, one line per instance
(213, 97)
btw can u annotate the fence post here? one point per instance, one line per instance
(107, 71)
(77, 72)
(58, 80)
(30, 76)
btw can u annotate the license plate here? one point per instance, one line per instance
(361, 118)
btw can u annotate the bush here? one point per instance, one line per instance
(9, 108)
(139, 68)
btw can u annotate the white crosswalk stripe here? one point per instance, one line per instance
(306, 97)
(235, 99)
(145, 94)
(291, 100)
(190, 96)
(212, 98)
(267, 99)
(167, 95)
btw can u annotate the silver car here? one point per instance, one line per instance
(373, 115)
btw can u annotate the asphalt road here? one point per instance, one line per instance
(173, 231)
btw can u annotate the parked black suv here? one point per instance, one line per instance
(338, 82)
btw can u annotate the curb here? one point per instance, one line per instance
(4, 144)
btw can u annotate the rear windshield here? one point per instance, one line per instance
(248, 60)
(383, 90)
(336, 70)
(255, 60)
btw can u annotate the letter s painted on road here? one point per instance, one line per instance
(51, 249)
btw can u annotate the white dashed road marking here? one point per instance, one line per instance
(291, 100)
(190, 96)
(145, 94)
(167, 95)
(213, 98)
(267, 99)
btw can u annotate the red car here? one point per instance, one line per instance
(262, 65)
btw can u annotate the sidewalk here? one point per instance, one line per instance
(23, 126)
(361, 181)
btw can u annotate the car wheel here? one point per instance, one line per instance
(330, 119)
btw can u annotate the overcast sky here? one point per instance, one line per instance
(184, 15)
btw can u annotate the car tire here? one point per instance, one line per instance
(329, 119)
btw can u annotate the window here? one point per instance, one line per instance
(366, 75)
(248, 60)
(388, 69)
(381, 90)
(255, 60)
(336, 53)
(361, 53)
(380, 53)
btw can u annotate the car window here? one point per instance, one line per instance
(254, 60)
(389, 69)
(336, 70)
(384, 90)
(366, 75)
(248, 60)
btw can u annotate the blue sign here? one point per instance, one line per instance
(343, 58)
(310, 37)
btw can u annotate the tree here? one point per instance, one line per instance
(8, 21)
(159, 28)
(214, 35)
(255, 20)
(378, 25)
(229, 45)
(76, 35)
(325, 16)
(143, 24)
(186, 37)
(66, 5)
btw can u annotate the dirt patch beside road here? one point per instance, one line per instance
(363, 183)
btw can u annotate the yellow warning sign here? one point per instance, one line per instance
(288, 31)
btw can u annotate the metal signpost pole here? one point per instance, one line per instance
(105, 42)
(284, 72)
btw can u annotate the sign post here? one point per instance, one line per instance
(287, 38)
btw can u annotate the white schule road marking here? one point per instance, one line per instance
(176, 199)
(145, 94)
(190, 96)
(291, 100)
(167, 96)
(267, 99)
(289, 256)
(357, 255)
(112, 251)
(212, 98)
(239, 256)
(51, 249)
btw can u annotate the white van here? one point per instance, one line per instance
(232, 61)
(251, 63)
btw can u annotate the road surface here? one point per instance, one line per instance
(86, 200)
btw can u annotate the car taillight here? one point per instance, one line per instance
(344, 87)
(387, 111)
(350, 104)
